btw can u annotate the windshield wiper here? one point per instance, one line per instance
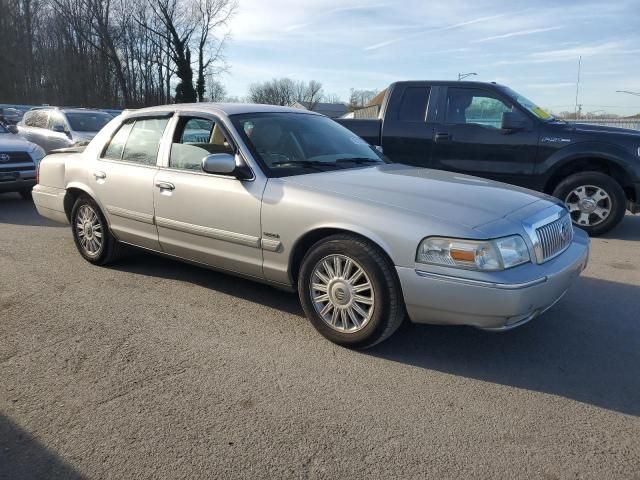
(358, 160)
(311, 164)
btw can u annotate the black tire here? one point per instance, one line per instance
(388, 305)
(109, 249)
(26, 194)
(617, 202)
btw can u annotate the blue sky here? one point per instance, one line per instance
(531, 46)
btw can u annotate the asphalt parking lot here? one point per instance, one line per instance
(155, 369)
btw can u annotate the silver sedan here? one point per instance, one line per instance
(293, 199)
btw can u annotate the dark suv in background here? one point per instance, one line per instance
(488, 130)
(54, 127)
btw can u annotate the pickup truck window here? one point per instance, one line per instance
(474, 106)
(298, 143)
(194, 139)
(413, 106)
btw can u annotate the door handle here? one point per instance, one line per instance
(100, 175)
(443, 137)
(165, 186)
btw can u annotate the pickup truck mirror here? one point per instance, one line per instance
(225, 164)
(513, 121)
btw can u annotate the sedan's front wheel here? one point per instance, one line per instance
(91, 232)
(350, 292)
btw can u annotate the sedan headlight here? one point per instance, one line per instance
(498, 254)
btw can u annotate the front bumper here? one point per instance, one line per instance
(24, 180)
(490, 304)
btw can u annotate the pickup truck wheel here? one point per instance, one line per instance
(596, 202)
(349, 291)
(26, 194)
(91, 232)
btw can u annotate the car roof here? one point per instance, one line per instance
(217, 108)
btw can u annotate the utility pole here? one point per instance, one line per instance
(578, 87)
(462, 76)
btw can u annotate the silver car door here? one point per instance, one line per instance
(123, 180)
(210, 219)
(58, 132)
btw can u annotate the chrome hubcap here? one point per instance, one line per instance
(342, 293)
(89, 230)
(589, 205)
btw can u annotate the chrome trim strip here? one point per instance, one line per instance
(481, 283)
(232, 237)
(270, 245)
(130, 214)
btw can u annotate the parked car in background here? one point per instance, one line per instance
(11, 116)
(114, 112)
(488, 130)
(54, 127)
(293, 199)
(18, 163)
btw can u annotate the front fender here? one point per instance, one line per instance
(586, 150)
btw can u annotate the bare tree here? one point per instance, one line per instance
(284, 91)
(217, 91)
(361, 98)
(213, 14)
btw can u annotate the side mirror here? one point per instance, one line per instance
(513, 121)
(224, 164)
(58, 128)
(12, 129)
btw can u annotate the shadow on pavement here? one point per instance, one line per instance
(586, 348)
(628, 229)
(143, 263)
(24, 457)
(16, 211)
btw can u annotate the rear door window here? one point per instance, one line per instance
(137, 141)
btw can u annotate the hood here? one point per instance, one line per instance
(10, 142)
(591, 128)
(452, 197)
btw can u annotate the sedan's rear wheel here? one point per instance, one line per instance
(350, 292)
(91, 232)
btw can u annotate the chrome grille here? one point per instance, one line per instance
(555, 237)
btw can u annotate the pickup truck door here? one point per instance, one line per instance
(205, 218)
(123, 176)
(468, 137)
(407, 136)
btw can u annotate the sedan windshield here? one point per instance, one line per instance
(293, 144)
(529, 105)
(87, 121)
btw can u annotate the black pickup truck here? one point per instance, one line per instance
(488, 130)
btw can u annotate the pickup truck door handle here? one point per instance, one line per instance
(443, 137)
(100, 175)
(165, 185)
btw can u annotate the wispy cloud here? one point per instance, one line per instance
(520, 33)
(434, 30)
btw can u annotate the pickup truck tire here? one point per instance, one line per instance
(597, 202)
(26, 194)
(350, 292)
(91, 232)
